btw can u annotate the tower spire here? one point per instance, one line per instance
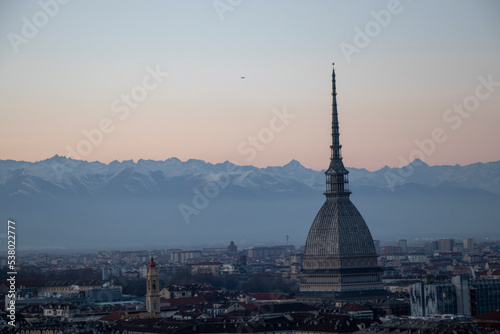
(340, 261)
(337, 183)
(152, 261)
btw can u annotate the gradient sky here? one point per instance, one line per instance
(395, 90)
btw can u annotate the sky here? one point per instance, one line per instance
(250, 81)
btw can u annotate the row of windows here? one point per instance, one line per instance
(45, 331)
(347, 279)
(337, 264)
(361, 278)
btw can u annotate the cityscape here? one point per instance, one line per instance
(120, 216)
(253, 288)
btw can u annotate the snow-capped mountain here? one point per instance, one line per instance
(89, 204)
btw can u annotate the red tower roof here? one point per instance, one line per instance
(152, 262)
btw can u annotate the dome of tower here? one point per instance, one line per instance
(339, 231)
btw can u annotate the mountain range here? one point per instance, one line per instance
(61, 203)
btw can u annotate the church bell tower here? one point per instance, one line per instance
(153, 290)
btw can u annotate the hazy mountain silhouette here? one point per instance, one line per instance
(61, 202)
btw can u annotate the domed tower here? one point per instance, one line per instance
(339, 257)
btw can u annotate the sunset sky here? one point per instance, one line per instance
(403, 71)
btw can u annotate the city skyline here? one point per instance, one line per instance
(212, 78)
(164, 166)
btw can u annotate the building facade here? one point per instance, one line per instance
(185, 256)
(460, 296)
(403, 244)
(206, 268)
(446, 245)
(468, 244)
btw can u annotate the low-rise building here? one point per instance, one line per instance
(417, 258)
(64, 311)
(203, 268)
(65, 288)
